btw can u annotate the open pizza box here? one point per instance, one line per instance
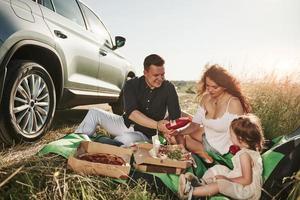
(145, 162)
(95, 168)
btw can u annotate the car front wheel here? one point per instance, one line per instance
(29, 101)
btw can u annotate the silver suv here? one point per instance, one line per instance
(54, 54)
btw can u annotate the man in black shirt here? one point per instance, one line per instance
(147, 101)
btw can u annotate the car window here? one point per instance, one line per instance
(96, 26)
(69, 9)
(46, 3)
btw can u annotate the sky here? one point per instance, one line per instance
(250, 38)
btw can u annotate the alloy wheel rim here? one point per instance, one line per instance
(30, 104)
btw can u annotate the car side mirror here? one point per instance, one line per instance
(119, 41)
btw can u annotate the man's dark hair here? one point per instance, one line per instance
(153, 59)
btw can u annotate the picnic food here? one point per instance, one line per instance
(103, 158)
(179, 123)
(175, 152)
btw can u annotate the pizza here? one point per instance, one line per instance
(175, 152)
(102, 158)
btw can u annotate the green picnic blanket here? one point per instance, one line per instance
(68, 144)
(65, 146)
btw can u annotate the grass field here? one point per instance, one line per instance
(23, 175)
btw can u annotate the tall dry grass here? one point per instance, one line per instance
(24, 175)
(277, 104)
(49, 178)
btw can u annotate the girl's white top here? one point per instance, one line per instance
(233, 189)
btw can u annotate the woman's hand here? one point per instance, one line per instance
(175, 133)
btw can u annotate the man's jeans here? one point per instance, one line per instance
(113, 124)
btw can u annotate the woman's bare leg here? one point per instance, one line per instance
(206, 190)
(180, 139)
(197, 147)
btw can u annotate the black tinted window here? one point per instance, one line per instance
(96, 26)
(47, 3)
(69, 9)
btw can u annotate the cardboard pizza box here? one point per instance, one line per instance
(91, 168)
(158, 169)
(145, 162)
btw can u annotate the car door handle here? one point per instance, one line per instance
(60, 34)
(103, 52)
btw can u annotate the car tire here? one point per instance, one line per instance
(5, 139)
(29, 101)
(118, 106)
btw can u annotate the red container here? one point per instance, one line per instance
(233, 149)
(180, 122)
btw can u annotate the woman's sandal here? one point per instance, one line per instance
(195, 181)
(185, 188)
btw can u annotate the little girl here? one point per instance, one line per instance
(245, 180)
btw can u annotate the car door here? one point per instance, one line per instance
(113, 68)
(78, 48)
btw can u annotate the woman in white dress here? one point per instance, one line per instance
(245, 180)
(221, 101)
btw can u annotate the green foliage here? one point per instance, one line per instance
(185, 86)
(190, 90)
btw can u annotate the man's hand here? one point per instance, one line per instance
(161, 126)
(170, 136)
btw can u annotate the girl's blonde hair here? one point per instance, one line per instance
(248, 129)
